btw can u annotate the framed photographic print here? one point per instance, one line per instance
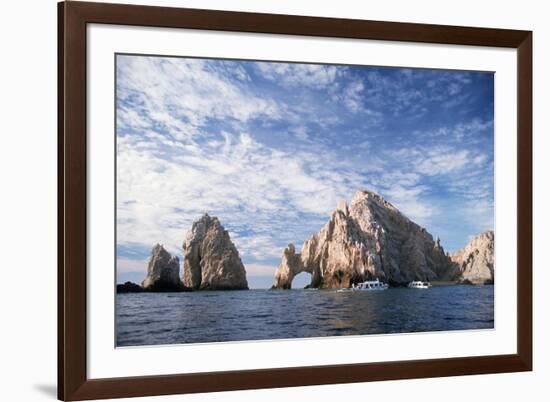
(254, 200)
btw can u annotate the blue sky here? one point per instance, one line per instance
(270, 148)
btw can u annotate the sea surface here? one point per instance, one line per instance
(221, 316)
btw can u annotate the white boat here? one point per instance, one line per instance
(419, 285)
(370, 285)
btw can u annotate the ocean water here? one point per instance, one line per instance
(218, 316)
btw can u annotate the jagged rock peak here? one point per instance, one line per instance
(162, 271)
(343, 207)
(476, 260)
(211, 260)
(371, 198)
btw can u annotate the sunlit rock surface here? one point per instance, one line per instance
(476, 260)
(162, 271)
(211, 260)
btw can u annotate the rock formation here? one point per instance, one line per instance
(162, 272)
(291, 265)
(475, 262)
(211, 259)
(128, 287)
(370, 239)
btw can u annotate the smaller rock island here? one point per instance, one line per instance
(211, 262)
(163, 272)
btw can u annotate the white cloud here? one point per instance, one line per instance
(471, 129)
(447, 161)
(130, 265)
(301, 133)
(352, 96)
(480, 212)
(436, 159)
(158, 198)
(260, 269)
(442, 161)
(411, 201)
(311, 75)
(184, 102)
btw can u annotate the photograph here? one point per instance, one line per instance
(238, 201)
(262, 200)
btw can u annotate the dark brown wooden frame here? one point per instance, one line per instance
(73, 383)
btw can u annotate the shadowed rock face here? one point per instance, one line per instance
(162, 271)
(128, 287)
(211, 259)
(475, 262)
(369, 239)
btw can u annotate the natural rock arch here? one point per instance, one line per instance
(291, 265)
(301, 280)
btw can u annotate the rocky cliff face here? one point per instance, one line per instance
(475, 262)
(211, 259)
(369, 239)
(162, 271)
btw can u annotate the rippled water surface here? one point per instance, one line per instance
(217, 316)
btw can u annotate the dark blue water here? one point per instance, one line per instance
(218, 316)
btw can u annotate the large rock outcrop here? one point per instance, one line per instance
(211, 259)
(163, 271)
(475, 262)
(369, 239)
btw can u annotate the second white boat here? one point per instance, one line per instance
(419, 285)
